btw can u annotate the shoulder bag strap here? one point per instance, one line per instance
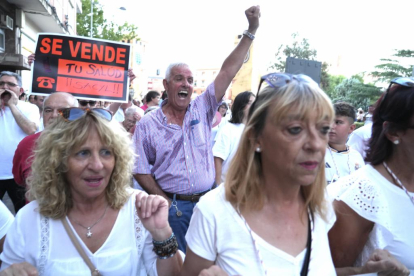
(94, 270)
(305, 267)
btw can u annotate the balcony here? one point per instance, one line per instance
(42, 13)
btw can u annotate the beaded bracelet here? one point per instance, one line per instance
(167, 248)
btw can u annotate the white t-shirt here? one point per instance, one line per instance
(340, 164)
(227, 142)
(6, 219)
(217, 233)
(215, 130)
(11, 135)
(376, 199)
(44, 243)
(359, 139)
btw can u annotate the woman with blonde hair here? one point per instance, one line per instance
(270, 217)
(84, 218)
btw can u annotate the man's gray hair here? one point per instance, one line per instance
(173, 65)
(131, 110)
(74, 103)
(12, 74)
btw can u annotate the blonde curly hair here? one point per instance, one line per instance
(244, 180)
(47, 181)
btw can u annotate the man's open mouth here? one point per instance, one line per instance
(183, 94)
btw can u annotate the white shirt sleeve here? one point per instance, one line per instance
(14, 245)
(222, 145)
(201, 237)
(6, 219)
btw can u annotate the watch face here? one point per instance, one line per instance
(246, 59)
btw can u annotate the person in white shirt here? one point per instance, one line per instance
(6, 220)
(341, 160)
(271, 217)
(18, 119)
(228, 137)
(375, 205)
(80, 194)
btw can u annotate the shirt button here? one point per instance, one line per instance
(192, 185)
(185, 143)
(187, 156)
(190, 170)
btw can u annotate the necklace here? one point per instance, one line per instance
(333, 160)
(256, 248)
(398, 181)
(89, 233)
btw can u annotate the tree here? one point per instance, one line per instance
(391, 68)
(300, 48)
(102, 28)
(356, 93)
(333, 81)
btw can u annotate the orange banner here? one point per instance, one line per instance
(89, 87)
(90, 70)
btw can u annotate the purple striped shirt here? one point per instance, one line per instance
(181, 157)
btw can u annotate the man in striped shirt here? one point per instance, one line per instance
(174, 157)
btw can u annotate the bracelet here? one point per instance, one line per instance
(249, 35)
(167, 248)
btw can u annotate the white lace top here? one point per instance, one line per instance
(44, 243)
(376, 199)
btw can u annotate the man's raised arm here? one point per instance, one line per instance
(234, 61)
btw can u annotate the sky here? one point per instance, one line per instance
(202, 33)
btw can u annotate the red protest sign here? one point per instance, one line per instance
(86, 68)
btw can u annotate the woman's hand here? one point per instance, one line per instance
(213, 271)
(20, 269)
(153, 212)
(385, 264)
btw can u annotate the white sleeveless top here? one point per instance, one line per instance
(44, 243)
(376, 199)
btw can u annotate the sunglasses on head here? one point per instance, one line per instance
(403, 81)
(74, 113)
(85, 103)
(277, 80)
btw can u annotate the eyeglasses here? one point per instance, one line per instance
(85, 103)
(277, 80)
(74, 113)
(9, 84)
(403, 81)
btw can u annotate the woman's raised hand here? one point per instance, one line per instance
(153, 212)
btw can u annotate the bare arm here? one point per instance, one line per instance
(348, 236)
(151, 186)
(25, 124)
(114, 107)
(218, 164)
(194, 264)
(234, 61)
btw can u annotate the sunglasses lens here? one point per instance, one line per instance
(72, 114)
(85, 103)
(103, 113)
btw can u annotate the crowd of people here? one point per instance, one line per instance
(278, 182)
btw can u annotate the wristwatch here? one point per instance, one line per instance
(249, 35)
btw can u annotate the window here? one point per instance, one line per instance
(2, 41)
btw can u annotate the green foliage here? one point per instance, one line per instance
(102, 28)
(356, 93)
(391, 68)
(333, 81)
(300, 48)
(359, 124)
